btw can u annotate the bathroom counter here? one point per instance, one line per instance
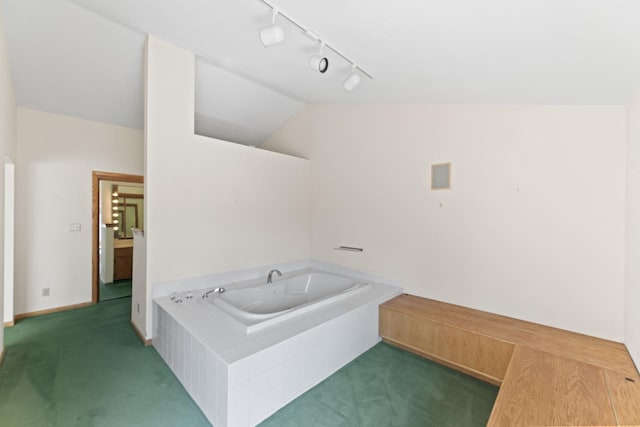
(122, 243)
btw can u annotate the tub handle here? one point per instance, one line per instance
(219, 290)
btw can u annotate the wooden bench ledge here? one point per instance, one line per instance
(547, 376)
(603, 353)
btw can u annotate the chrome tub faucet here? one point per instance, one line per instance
(213, 291)
(270, 276)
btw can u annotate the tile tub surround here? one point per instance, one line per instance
(240, 379)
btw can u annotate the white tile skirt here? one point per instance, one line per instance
(246, 391)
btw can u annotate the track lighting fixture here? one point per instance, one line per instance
(273, 34)
(318, 62)
(353, 80)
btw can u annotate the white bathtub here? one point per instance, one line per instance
(239, 379)
(264, 305)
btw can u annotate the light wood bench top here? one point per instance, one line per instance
(541, 389)
(625, 397)
(595, 351)
(553, 378)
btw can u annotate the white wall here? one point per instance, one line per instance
(211, 205)
(533, 227)
(139, 280)
(56, 156)
(9, 237)
(106, 233)
(106, 254)
(632, 279)
(7, 145)
(245, 207)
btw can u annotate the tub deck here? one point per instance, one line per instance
(239, 379)
(547, 376)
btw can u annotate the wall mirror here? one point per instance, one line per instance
(127, 204)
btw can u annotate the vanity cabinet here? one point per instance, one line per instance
(122, 263)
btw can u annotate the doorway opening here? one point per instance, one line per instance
(118, 203)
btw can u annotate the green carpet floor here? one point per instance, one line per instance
(86, 367)
(387, 386)
(117, 289)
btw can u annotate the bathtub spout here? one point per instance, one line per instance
(270, 276)
(216, 290)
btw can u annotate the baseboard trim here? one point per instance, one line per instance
(50, 310)
(146, 342)
(9, 324)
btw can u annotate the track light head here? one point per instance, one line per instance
(352, 81)
(273, 34)
(318, 62)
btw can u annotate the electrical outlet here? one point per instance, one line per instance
(75, 227)
(45, 292)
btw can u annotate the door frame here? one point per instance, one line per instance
(96, 177)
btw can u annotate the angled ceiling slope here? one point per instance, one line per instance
(84, 57)
(70, 60)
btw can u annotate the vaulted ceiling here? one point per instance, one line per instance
(84, 58)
